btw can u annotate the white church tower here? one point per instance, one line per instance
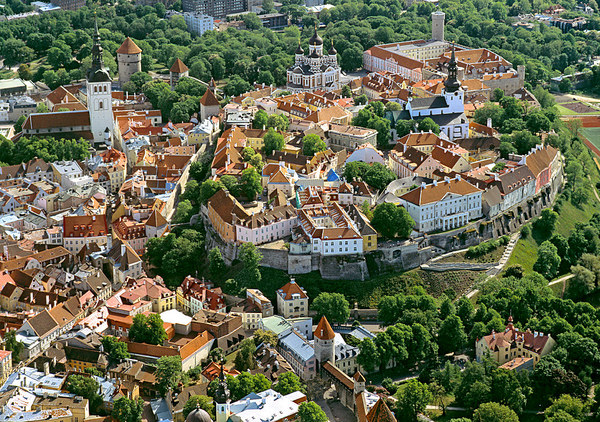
(99, 95)
(452, 91)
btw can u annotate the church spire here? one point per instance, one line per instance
(452, 84)
(97, 73)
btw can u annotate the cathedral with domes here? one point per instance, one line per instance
(315, 70)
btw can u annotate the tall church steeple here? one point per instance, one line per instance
(97, 73)
(452, 84)
(99, 94)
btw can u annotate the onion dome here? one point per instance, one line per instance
(332, 51)
(299, 50)
(315, 39)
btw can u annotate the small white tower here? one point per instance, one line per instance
(99, 95)
(437, 25)
(129, 57)
(324, 343)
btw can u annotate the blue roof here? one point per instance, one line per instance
(332, 176)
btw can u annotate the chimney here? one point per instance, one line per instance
(46, 368)
(489, 122)
(123, 249)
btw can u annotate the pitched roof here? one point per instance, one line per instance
(324, 330)
(63, 119)
(43, 323)
(540, 159)
(156, 219)
(380, 412)
(339, 375)
(437, 192)
(129, 47)
(209, 99)
(179, 67)
(531, 341)
(290, 289)
(84, 226)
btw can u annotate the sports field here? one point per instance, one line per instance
(592, 134)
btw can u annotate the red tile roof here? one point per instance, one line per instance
(85, 226)
(179, 67)
(129, 47)
(324, 330)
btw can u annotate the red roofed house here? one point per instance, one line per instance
(80, 230)
(513, 343)
(292, 301)
(194, 295)
(544, 162)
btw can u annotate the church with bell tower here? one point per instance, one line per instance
(99, 94)
(315, 70)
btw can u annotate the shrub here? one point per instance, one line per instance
(525, 231)
(389, 385)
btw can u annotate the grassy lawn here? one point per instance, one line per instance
(437, 416)
(592, 134)
(524, 254)
(6, 74)
(570, 215)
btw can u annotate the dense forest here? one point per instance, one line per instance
(55, 47)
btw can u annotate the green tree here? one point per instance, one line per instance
(404, 127)
(184, 212)
(368, 357)
(274, 141)
(547, 220)
(244, 360)
(199, 401)
(346, 91)
(581, 284)
(427, 124)
(312, 143)
(265, 336)
(333, 306)
(208, 188)
(168, 372)
(18, 127)
(289, 383)
(278, 122)
(451, 335)
(260, 119)
(117, 350)
(309, 411)
(128, 410)
(494, 412)
(568, 405)
(216, 263)
(147, 329)
(548, 261)
(351, 59)
(250, 183)
(11, 343)
(413, 400)
(391, 220)
(250, 257)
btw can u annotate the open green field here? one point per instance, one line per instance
(592, 134)
(524, 254)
